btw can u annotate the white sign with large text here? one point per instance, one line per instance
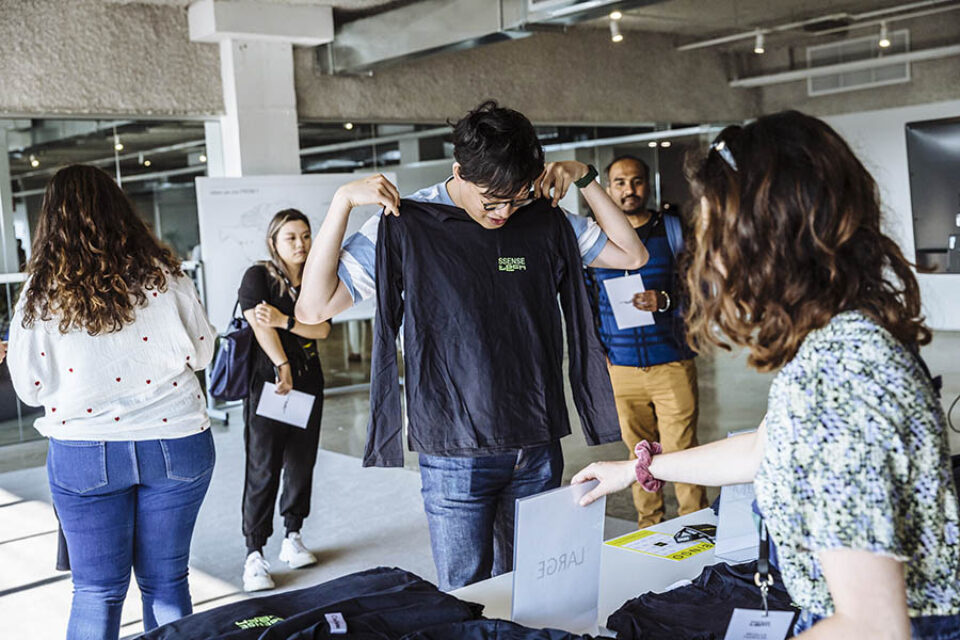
(556, 560)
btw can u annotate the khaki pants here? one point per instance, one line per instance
(659, 404)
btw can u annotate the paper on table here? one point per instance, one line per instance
(620, 291)
(293, 408)
(660, 545)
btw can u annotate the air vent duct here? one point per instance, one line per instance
(856, 49)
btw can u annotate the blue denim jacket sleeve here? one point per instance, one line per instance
(384, 446)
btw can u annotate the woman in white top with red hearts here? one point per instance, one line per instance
(107, 336)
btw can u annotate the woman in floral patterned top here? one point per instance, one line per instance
(851, 464)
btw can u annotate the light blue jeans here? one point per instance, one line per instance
(470, 508)
(126, 505)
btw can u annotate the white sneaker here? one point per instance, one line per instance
(256, 576)
(294, 553)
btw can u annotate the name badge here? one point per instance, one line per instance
(751, 624)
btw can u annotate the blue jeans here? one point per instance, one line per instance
(470, 508)
(926, 628)
(122, 505)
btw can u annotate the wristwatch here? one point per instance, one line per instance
(291, 323)
(585, 181)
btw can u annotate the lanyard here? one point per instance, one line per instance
(762, 577)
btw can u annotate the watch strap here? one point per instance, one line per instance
(585, 181)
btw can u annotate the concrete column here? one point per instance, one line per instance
(8, 239)
(259, 131)
(258, 134)
(214, 140)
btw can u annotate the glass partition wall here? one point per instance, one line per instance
(157, 161)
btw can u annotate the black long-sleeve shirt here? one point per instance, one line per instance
(483, 338)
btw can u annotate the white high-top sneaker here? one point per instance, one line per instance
(294, 553)
(256, 574)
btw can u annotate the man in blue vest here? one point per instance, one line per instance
(652, 369)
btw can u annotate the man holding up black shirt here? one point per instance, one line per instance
(473, 267)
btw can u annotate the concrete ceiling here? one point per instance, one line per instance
(336, 4)
(696, 18)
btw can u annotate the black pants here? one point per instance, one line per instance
(273, 446)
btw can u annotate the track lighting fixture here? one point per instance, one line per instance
(758, 43)
(615, 34)
(884, 41)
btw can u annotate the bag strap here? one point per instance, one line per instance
(936, 382)
(236, 305)
(674, 234)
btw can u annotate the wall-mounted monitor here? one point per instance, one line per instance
(933, 155)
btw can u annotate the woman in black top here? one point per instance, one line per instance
(286, 355)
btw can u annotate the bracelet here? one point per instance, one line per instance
(667, 304)
(645, 452)
(277, 366)
(291, 323)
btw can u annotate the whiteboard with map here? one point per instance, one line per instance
(233, 216)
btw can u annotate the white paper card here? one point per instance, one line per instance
(620, 291)
(752, 624)
(556, 560)
(293, 408)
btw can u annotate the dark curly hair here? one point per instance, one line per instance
(497, 149)
(93, 259)
(788, 234)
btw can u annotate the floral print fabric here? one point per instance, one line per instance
(856, 457)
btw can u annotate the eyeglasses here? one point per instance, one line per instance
(707, 532)
(522, 202)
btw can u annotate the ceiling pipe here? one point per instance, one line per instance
(843, 67)
(102, 162)
(858, 20)
(127, 178)
(366, 142)
(428, 27)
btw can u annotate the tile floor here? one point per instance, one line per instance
(362, 517)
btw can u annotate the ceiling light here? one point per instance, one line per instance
(884, 35)
(615, 34)
(116, 141)
(616, 15)
(665, 144)
(33, 161)
(652, 144)
(348, 126)
(758, 43)
(147, 163)
(202, 158)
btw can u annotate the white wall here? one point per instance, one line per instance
(879, 139)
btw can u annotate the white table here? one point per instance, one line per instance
(624, 574)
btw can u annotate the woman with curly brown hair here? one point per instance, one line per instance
(107, 336)
(851, 463)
